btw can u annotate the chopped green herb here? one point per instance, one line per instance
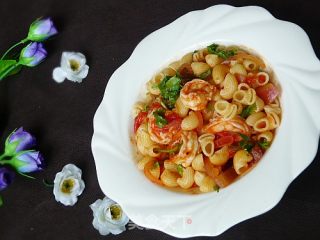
(264, 144)
(170, 89)
(248, 110)
(225, 54)
(246, 143)
(205, 74)
(180, 169)
(172, 150)
(244, 137)
(212, 48)
(160, 119)
(156, 165)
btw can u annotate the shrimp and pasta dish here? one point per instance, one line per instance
(206, 120)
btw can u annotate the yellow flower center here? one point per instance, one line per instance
(67, 186)
(74, 65)
(116, 212)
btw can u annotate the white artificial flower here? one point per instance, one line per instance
(108, 217)
(68, 185)
(73, 67)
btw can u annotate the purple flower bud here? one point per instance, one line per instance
(41, 29)
(19, 140)
(6, 177)
(26, 162)
(32, 54)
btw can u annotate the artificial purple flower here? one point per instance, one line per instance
(33, 54)
(19, 140)
(41, 29)
(6, 177)
(26, 162)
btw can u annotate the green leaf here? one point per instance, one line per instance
(264, 144)
(170, 90)
(244, 137)
(6, 64)
(225, 54)
(246, 143)
(1, 201)
(212, 48)
(216, 188)
(248, 110)
(160, 119)
(180, 169)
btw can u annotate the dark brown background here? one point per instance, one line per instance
(61, 115)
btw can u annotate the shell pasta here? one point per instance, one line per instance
(207, 119)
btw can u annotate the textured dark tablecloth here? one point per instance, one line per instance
(60, 115)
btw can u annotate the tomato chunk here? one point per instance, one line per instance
(139, 120)
(226, 138)
(268, 93)
(223, 141)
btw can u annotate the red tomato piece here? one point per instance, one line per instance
(240, 78)
(139, 120)
(268, 93)
(236, 136)
(155, 105)
(252, 81)
(223, 141)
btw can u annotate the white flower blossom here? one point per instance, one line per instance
(73, 67)
(108, 217)
(68, 185)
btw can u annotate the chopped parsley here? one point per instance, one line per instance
(156, 165)
(248, 110)
(264, 144)
(180, 169)
(225, 54)
(216, 188)
(246, 143)
(160, 119)
(170, 90)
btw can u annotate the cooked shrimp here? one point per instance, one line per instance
(168, 134)
(196, 94)
(218, 124)
(188, 149)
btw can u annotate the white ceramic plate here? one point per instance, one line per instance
(285, 47)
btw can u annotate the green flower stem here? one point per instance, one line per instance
(17, 44)
(2, 157)
(6, 72)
